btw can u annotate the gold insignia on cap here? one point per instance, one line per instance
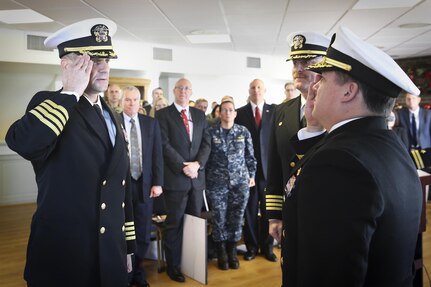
(298, 42)
(280, 124)
(100, 32)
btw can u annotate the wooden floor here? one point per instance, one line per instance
(14, 231)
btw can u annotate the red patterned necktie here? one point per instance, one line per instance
(185, 120)
(257, 117)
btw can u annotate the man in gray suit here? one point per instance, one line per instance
(146, 161)
(186, 147)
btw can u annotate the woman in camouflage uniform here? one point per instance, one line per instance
(230, 172)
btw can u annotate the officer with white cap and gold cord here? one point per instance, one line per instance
(83, 227)
(354, 200)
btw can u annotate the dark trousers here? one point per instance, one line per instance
(142, 211)
(256, 230)
(178, 202)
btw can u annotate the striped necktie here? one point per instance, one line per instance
(185, 120)
(135, 155)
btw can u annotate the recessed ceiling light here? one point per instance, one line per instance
(208, 38)
(384, 4)
(414, 25)
(22, 16)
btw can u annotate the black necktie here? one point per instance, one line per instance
(99, 113)
(302, 116)
(414, 132)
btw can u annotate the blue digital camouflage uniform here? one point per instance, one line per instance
(230, 166)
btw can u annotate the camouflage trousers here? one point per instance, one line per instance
(228, 206)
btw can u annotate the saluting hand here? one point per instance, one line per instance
(312, 124)
(76, 71)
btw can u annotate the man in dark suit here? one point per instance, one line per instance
(354, 200)
(83, 225)
(186, 147)
(256, 116)
(417, 121)
(306, 48)
(144, 139)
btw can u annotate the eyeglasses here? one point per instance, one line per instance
(181, 88)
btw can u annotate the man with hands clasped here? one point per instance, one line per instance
(186, 147)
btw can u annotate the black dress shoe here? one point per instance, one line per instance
(250, 255)
(176, 275)
(271, 257)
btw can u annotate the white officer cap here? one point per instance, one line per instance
(306, 45)
(366, 63)
(91, 36)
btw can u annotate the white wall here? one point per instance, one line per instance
(213, 74)
(17, 180)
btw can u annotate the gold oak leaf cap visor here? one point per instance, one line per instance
(366, 63)
(91, 36)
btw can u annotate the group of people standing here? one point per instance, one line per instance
(329, 180)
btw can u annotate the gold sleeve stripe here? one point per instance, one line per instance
(130, 228)
(269, 196)
(46, 122)
(274, 203)
(57, 110)
(129, 223)
(422, 165)
(49, 117)
(417, 158)
(130, 237)
(274, 199)
(130, 233)
(58, 107)
(274, 208)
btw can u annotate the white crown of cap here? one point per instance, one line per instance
(312, 38)
(372, 57)
(78, 30)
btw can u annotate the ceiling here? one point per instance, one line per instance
(254, 26)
